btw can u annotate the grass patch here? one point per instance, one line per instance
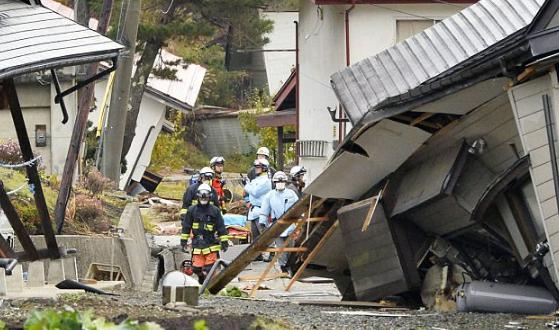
(171, 189)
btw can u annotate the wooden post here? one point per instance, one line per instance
(17, 226)
(32, 173)
(80, 126)
(311, 255)
(280, 149)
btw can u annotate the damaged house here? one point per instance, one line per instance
(454, 126)
(448, 175)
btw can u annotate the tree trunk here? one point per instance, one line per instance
(78, 133)
(139, 81)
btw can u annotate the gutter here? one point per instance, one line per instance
(341, 115)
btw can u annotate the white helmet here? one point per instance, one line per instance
(297, 170)
(217, 160)
(264, 163)
(279, 176)
(206, 171)
(204, 190)
(263, 151)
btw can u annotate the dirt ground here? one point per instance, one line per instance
(234, 313)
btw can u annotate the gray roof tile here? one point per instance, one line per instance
(423, 57)
(35, 38)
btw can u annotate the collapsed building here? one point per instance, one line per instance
(448, 171)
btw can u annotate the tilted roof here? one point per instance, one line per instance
(372, 82)
(36, 38)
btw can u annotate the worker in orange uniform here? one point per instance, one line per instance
(209, 235)
(217, 164)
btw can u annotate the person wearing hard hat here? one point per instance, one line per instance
(256, 189)
(274, 205)
(217, 165)
(261, 153)
(297, 175)
(189, 197)
(209, 235)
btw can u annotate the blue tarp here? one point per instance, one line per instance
(234, 220)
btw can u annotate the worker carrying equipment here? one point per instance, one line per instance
(189, 197)
(217, 165)
(209, 235)
(274, 204)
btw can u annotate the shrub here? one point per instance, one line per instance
(96, 183)
(87, 209)
(10, 152)
(28, 214)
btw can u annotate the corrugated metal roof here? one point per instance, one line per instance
(425, 56)
(189, 78)
(36, 38)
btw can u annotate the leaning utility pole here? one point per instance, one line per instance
(85, 97)
(114, 131)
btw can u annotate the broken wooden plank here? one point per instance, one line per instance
(287, 249)
(311, 255)
(424, 116)
(270, 276)
(32, 172)
(17, 225)
(335, 303)
(373, 207)
(316, 280)
(317, 219)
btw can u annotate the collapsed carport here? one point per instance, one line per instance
(450, 131)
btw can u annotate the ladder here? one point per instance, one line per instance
(318, 215)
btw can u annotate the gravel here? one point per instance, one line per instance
(234, 313)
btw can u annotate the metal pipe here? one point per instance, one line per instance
(551, 140)
(297, 87)
(341, 115)
(8, 264)
(211, 273)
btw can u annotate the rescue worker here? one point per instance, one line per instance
(217, 165)
(261, 153)
(205, 221)
(297, 184)
(274, 205)
(189, 197)
(256, 190)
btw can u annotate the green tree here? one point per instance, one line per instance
(201, 26)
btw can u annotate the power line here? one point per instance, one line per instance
(404, 12)
(450, 4)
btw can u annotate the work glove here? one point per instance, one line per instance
(244, 181)
(223, 182)
(184, 244)
(224, 246)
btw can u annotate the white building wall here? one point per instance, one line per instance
(35, 101)
(278, 60)
(322, 52)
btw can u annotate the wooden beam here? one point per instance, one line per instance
(32, 173)
(313, 253)
(373, 207)
(17, 225)
(424, 116)
(253, 250)
(282, 249)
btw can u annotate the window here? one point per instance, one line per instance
(406, 28)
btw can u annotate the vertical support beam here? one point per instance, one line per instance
(280, 149)
(32, 173)
(17, 226)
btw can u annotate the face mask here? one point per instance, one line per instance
(280, 185)
(203, 202)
